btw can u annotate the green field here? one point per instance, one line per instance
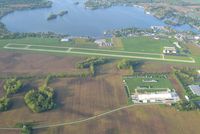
(77, 42)
(143, 82)
(178, 57)
(146, 44)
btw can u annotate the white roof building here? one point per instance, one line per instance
(164, 96)
(103, 43)
(197, 37)
(64, 40)
(169, 50)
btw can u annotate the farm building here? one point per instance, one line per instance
(103, 43)
(195, 89)
(169, 50)
(156, 97)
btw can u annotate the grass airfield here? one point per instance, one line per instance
(134, 48)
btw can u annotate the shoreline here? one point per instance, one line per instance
(141, 6)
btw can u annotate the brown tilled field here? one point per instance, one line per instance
(24, 63)
(152, 119)
(77, 98)
(80, 98)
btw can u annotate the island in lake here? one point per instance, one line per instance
(54, 16)
(76, 3)
(62, 13)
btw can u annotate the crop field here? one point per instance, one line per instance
(77, 98)
(148, 82)
(94, 52)
(152, 119)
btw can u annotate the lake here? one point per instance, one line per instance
(80, 21)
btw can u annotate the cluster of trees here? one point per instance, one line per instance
(17, 35)
(124, 32)
(91, 63)
(92, 60)
(128, 64)
(173, 17)
(187, 76)
(185, 105)
(26, 128)
(169, 15)
(12, 86)
(4, 104)
(96, 4)
(125, 64)
(40, 100)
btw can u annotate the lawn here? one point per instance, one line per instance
(134, 82)
(146, 44)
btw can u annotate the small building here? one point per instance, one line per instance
(169, 50)
(65, 40)
(195, 89)
(197, 37)
(103, 43)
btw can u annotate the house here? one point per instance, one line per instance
(169, 50)
(102, 43)
(156, 97)
(195, 89)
